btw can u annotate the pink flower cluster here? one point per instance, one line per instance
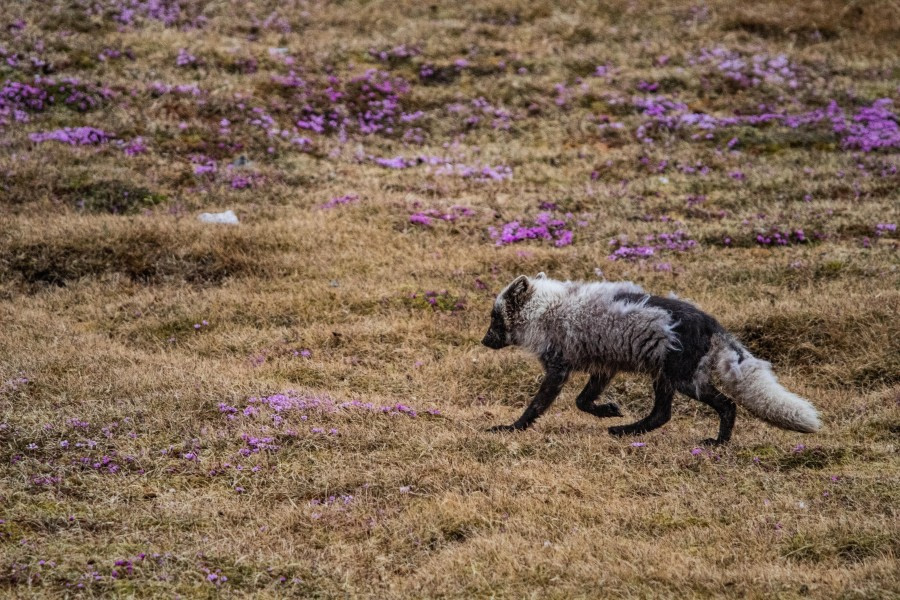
(870, 128)
(340, 201)
(479, 109)
(776, 237)
(77, 136)
(17, 99)
(677, 242)
(885, 228)
(395, 54)
(425, 217)
(545, 226)
(369, 103)
(749, 71)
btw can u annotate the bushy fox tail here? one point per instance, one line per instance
(750, 382)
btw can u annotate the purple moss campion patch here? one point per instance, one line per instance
(74, 136)
(18, 99)
(340, 201)
(546, 225)
(882, 229)
(869, 128)
(393, 54)
(652, 244)
(427, 216)
(749, 70)
(777, 237)
(135, 147)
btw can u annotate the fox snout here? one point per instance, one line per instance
(493, 340)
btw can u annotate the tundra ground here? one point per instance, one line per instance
(297, 405)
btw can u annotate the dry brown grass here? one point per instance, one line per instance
(100, 293)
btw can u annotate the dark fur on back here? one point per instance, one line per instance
(694, 329)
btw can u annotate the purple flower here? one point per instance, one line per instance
(398, 162)
(135, 147)
(545, 225)
(241, 182)
(638, 444)
(871, 128)
(671, 242)
(185, 58)
(78, 136)
(340, 200)
(420, 219)
(204, 168)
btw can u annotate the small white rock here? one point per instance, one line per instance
(228, 218)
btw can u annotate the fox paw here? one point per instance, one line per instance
(620, 430)
(501, 428)
(712, 442)
(607, 410)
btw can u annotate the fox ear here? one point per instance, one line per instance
(518, 287)
(541, 275)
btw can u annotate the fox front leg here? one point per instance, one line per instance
(555, 377)
(592, 390)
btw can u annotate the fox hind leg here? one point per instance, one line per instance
(592, 390)
(659, 416)
(719, 402)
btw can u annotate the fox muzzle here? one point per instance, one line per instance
(492, 340)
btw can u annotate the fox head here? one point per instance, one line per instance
(506, 316)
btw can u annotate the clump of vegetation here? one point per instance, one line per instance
(140, 252)
(112, 197)
(436, 300)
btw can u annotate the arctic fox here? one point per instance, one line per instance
(605, 327)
